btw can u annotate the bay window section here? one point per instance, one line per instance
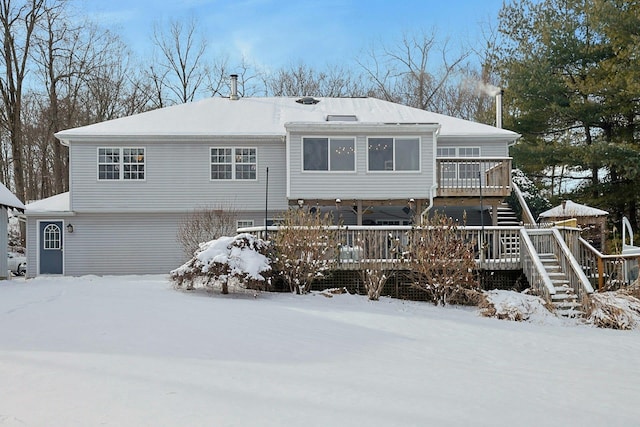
(328, 154)
(394, 154)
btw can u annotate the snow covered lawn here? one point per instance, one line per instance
(131, 351)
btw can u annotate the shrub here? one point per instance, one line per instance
(305, 248)
(372, 247)
(206, 224)
(243, 260)
(443, 259)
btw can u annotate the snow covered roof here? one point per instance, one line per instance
(8, 199)
(572, 209)
(268, 115)
(58, 203)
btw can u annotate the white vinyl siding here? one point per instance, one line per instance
(361, 183)
(180, 179)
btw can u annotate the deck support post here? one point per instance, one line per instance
(359, 214)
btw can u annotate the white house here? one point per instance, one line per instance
(133, 179)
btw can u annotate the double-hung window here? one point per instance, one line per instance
(470, 169)
(328, 154)
(233, 163)
(394, 154)
(121, 163)
(459, 169)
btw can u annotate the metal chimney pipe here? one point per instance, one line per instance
(234, 87)
(499, 108)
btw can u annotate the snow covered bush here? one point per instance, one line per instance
(516, 306)
(206, 224)
(305, 248)
(444, 262)
(241, 260)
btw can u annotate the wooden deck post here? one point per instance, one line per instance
(600, 274)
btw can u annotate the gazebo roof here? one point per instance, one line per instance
(569, 209)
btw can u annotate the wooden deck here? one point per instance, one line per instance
(473, 176)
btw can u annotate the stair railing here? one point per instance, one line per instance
(550, 240)
(533, 268)
(527, 216)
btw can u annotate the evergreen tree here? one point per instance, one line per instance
(571, 69)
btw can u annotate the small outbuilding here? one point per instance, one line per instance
(592, 221)
(8, 200)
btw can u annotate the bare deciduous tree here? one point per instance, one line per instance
(414, 72)
(302, 80)
(18, 21)
(180, 68)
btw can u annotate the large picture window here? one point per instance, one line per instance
(394, 154)
(121, 163)
(328, 154)
(234, 163)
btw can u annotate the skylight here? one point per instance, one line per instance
(341, 118)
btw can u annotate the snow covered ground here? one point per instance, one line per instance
(131, 351)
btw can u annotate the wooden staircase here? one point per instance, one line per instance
(506, 215)
(565, 301)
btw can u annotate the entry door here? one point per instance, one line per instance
(51, 247)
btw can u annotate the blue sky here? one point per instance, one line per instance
(275, 33)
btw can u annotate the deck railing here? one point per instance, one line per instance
(464, 176)
(496, 248)
(606, 272)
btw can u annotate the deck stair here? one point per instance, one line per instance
(565, 302)
(506, 215)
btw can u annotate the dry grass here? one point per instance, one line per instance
(614, 310)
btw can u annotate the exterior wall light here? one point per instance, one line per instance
(69, 228)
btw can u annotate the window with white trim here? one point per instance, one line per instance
(469, 170)
(459, 169)
(121, 163)
(52, 237)
(328, 154)
(242, 223)
(233, 163)
(394, 154)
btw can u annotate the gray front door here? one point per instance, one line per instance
(51, 247)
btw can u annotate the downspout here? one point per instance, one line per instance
(425, 212)
(434, 186)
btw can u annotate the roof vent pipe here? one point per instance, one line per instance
(234, 87)
(499, 94)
